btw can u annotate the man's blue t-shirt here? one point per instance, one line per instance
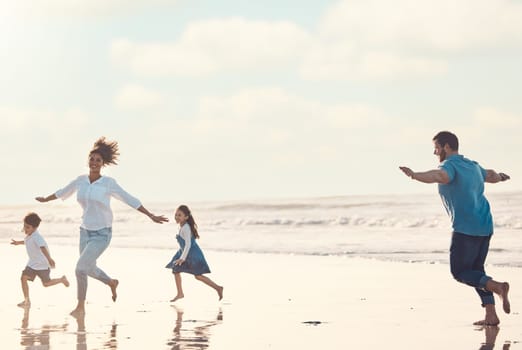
(463, 196)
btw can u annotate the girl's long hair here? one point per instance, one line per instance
(190, 220)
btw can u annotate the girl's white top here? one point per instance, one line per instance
(186, 233)
(33, 244)
(94, 199)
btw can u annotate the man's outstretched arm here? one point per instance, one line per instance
(493, 177)
(429, 177)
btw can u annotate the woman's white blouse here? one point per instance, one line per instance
(94, 199)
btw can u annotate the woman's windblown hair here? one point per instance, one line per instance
(107, 149)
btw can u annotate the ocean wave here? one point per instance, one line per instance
(402, 228)
(355, 221)
(513, 222)
(246, 206)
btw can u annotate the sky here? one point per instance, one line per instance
(241, 100)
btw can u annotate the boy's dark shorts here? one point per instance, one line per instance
(45, 275)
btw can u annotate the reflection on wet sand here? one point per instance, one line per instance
(40, 337)
(81, 335)
(197, 337)
(112, 343)
(490, 333)
(37, 338)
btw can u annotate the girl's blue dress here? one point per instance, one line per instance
(194, 264)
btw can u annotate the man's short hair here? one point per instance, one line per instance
(446, 137)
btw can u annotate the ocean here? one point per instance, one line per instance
(409, 228)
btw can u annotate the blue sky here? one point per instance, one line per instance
(242, 100)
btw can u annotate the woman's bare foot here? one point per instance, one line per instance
(78, 312)
(177, 297)
(220, 292)
(24, 304)
(65, 281)
(114, 284)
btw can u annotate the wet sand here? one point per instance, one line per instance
(270, 302)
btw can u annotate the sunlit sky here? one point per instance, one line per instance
(217, 100)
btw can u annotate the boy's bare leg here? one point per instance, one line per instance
(179, 287)
(209, 282)
(55, 281)
(25, 290)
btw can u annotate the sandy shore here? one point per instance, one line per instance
(270, 302)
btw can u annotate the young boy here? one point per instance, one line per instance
(40, 260)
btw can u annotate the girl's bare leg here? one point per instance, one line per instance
(209, 282)
(179, 287)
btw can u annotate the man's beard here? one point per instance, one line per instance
(442, 155)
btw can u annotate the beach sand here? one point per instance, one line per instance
(270, 302)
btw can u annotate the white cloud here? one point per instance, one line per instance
(425, 24)
(330, 63)
(211, 46)
(83, 8)
(379, 39)
(273, 120)
(132, 97)
(16, 119)
(354, 40)
(488, 117)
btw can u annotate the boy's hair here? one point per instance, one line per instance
(32, 219)
(446, 137)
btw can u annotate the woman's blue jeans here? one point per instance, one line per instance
(92, 245)
(467, 258)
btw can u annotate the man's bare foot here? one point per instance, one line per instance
(177, 297)
(487, 323)
(502, 289)
(504, 295)
(78, 312)
(24, 304)
(114, 284)
(491, 318)
(65, 281)
(220, 292)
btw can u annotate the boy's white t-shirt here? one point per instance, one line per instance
(33, 244)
